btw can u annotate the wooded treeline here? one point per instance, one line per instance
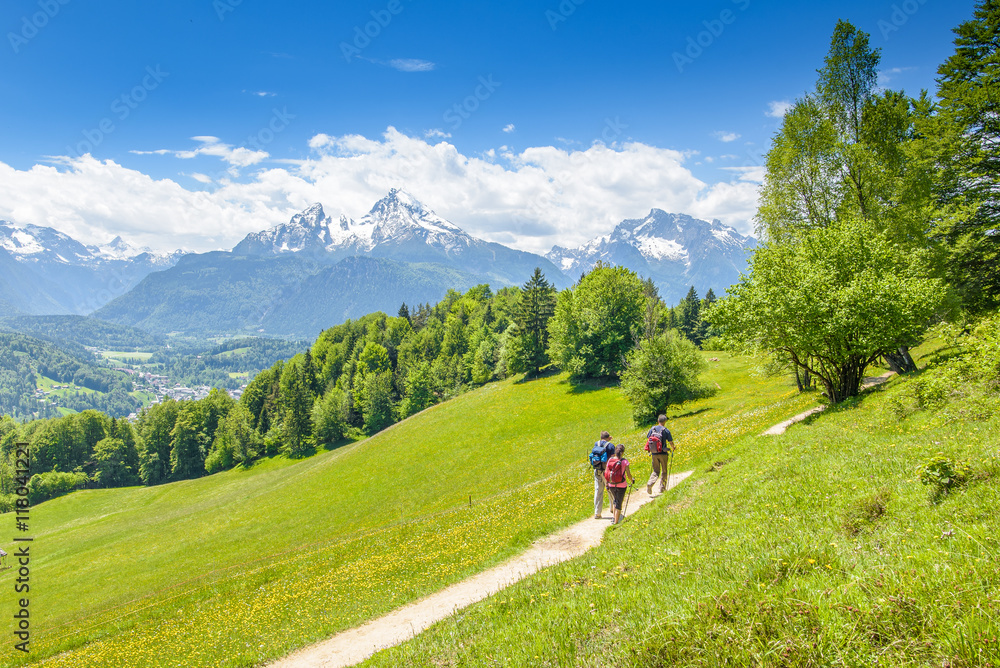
(360, 377)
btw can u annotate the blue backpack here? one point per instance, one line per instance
(599, 455)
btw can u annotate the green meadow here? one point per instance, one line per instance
(244, 566)
(820, 547)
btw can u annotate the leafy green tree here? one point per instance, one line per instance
(660, 372)
(419, 390)
(188, 442)
(329, 422)
(598, 324)
(235, 441)
(840, 155)
(965, 140)
(377, 408)
(373, 359)
(155, 425)
(534, 309)
(831, 304)
(111, 456)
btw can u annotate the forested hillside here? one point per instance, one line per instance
(25, 361)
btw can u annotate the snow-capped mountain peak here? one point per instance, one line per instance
(674, 249)
(398, 219)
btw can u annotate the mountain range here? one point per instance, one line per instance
(674, 249)
(296, 278)
(46, 272)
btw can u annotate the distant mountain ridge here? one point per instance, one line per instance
(675, 250)
(59, 275)
(316, 270)
(400, 228)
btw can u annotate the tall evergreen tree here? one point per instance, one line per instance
(296, 404)
(690, 315)
(534, 309)
(966, 136)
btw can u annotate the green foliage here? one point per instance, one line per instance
(328, 417)
(831, 303)
(23, 358)
(534, 310)
(963, 140)
(943, 474)
(43, 486)
(296, 405)
(377, 406)
(660, 372)
(597, 323)
(117, 463)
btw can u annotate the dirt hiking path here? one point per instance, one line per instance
(355, 645)
(778, 429)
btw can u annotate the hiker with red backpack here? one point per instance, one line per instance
(602, 451)
(657, 439)
(615, 473)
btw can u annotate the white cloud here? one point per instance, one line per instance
(724, 136)
(411, 65)
(530, 200)
(237, 156)
(885, 76)
(508, 128)
(777, 108)
(436, 133)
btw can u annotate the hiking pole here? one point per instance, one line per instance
(670, 458)
(629, 496)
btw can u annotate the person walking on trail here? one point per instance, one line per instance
(660, 445)
(602, 451)
(615, 473)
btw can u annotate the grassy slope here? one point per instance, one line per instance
(816, 548)
(242, 566)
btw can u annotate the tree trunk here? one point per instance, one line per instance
(900, 360)
(798, 379)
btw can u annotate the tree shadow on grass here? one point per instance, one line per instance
(690, 413)
(529, 377)
(589, 385)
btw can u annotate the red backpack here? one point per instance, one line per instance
(615, 472)
(655, 444)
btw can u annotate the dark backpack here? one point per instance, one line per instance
(655, 443)
(599, 455)
(616, 472)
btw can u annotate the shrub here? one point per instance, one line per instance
(944, 475)
(44, 486)
(662, 371)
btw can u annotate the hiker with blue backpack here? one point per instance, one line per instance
(602, 451)
(615, 472)
(657, 440)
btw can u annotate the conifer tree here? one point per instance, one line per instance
(534, 309)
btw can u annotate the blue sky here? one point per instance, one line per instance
(189, 124)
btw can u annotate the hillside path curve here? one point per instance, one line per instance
(778, 429)
(355, 645)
